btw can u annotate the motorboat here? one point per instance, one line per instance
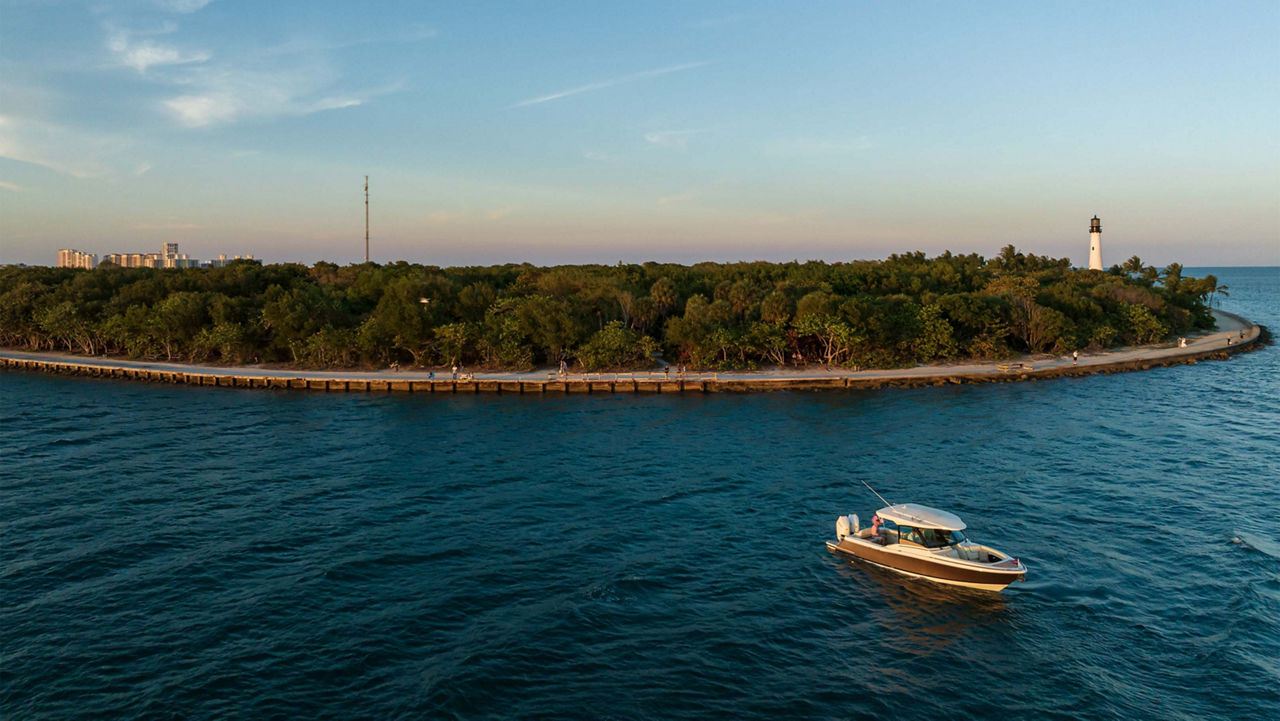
(927, 543)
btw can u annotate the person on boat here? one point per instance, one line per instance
(875, 526)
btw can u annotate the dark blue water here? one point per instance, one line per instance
(208, 553)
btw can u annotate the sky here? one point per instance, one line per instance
(567, 132)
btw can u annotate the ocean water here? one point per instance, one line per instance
(177, 552)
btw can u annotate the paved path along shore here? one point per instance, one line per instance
(1232, 334)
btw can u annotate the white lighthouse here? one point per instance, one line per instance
(1095, 244)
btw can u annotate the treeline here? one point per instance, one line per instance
(904, 310)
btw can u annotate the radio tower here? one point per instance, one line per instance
(366, 219)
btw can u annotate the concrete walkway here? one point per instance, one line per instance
(1233, 328)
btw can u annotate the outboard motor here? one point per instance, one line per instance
(846, 525)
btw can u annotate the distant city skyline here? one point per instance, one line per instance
(592, 134)
(169, 256)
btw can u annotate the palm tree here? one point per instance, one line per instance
(1215, 289)
(1172, 277)
(1133, 266)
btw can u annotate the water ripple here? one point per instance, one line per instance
(187, 552)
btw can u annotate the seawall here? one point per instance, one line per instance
(1212, 347)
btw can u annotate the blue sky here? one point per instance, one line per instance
(580, 132)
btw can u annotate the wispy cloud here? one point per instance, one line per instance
(65, 150)
(142, 169)
(671, 138)
(228, 96)
(601, 85)
(295, 78)
(11, 187)
(143, 54)
(182, 6)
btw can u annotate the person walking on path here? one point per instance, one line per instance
(1075, 357)
(455, 371)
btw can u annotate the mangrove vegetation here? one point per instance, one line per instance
(904, 310)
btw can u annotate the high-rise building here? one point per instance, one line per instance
(168, 257)
(72, 258)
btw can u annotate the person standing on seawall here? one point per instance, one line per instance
(1075, 357)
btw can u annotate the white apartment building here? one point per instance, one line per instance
(168, 257)
(72, 258)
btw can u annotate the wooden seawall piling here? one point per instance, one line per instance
(601, 383)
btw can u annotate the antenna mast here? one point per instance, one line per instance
(366, 219)
(869, 488)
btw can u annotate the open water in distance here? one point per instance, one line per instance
(208, 553)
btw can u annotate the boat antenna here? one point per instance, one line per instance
(869, 488)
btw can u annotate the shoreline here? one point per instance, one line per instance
(1210, 346)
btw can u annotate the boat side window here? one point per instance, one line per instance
(956, 537)
(910, 535)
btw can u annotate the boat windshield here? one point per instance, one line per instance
(939, 538)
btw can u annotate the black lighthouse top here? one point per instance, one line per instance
(1095, 225)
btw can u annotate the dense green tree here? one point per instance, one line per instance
(906, 309)
(937, 337)
(777, 307)
(1143, 326)
(664, 296)
(616, 346)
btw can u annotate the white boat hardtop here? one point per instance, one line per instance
(918, 516)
